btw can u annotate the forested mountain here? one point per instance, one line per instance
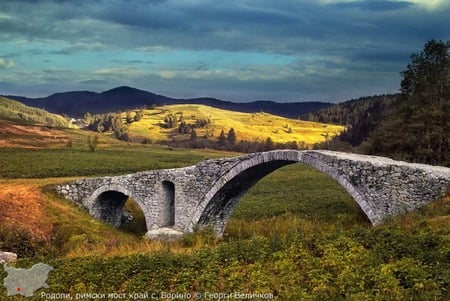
(361, 116)
(77, 103)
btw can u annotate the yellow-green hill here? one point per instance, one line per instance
(12, 110)
(247, 126)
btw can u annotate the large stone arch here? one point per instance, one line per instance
(208, 192)
(219, 202)
(106, 203)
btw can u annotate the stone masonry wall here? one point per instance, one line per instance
(382, 187)
(387, 187)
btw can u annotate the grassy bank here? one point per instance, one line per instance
(402, 260)
(297, 235)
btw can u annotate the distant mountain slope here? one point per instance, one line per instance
(12, 110)
(77, 103)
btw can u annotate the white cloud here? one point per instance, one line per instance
(5, 17)
(427, 4)
(119, 72)
(6, 64)
(155, 49)
(335, 1)
(432, 4)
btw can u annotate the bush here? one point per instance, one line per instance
(92, 142)
(20, 241)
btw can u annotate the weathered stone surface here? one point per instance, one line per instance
(163, 234)
(207, 193)
(6, 257)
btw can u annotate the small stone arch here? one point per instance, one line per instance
(220, 201)
(168, 204)
(107, 202)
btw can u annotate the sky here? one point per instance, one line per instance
(238, 50)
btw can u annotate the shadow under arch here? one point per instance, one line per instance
(107, 203)
(224, 196)
(168, 204)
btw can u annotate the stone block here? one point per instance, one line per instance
(6, 257)
(163, 234)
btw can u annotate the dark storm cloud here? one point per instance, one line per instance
(141, 14)
(336, 46)
(231, 25)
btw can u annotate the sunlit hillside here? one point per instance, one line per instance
(247, 126)
(15, 111)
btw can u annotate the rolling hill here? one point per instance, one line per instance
(248, 126)
(25, 127)
(15, 111)
(77, 103)
(22, 125)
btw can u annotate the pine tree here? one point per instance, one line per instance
(231, 137)
(129, 119)
(175, 121)
(193, 135)
(418, 126)
(169, 121)
(222, 139)
(269, 144)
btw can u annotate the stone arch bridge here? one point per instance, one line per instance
(207, 193)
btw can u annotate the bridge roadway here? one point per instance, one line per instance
(207, 193)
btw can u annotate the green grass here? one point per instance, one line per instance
(309, 261)
(78, 161)
(300, 190)
(296, 234)
(137, 225)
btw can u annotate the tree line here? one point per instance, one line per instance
(113, 122)
(229, 142)
(413, 125)
(108, 122)
(360, 116)
(225, 141)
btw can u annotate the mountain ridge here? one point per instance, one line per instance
(77, 103)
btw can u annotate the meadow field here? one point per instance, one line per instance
(296, 235)
(248, 126)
